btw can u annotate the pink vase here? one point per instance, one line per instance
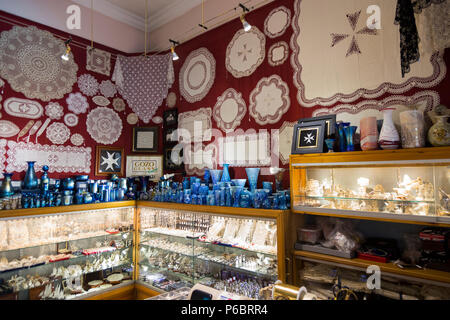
(369, 133)
(389, 137)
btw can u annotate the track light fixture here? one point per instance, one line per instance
(65, 56)
(245, 24)
(175, 57)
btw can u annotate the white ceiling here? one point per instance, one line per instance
(132, 12)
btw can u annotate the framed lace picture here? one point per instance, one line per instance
(109, 160)
(145, 139)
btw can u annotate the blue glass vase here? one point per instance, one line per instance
(6, 190)
(252, 174)
(330, 144)
(268, 186)
(30, 181)
(342, 140)
(45, 181)
(350, 137)
(245, 199)
(207, 176)
(216, 175)
(236, 194)
(239, 182)
(225, 174)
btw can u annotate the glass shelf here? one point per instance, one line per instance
(363, 199)
(193, 255)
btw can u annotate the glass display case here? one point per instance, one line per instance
(389, 184)
(65, 255)
(181, 247)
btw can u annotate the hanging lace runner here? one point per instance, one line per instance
(144, 82)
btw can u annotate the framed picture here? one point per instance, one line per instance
(145, 139)
(151, 166)
(170, 117)
(173, 163)
(308, 137)
(108, 161)
(330, 123)
(170, 135)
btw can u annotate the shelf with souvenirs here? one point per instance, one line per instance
(182, 246)
(65, 255)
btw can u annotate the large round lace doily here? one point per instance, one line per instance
(104, 125)
(30, 60)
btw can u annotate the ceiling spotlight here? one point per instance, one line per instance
(65, 56)
(245, 24)
(175, 57)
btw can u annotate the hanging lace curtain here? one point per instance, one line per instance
(144, 82)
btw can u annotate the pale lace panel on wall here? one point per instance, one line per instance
(424, 101)
(58, 158)
(98, 61)
(198, 123)
(242, 150)
(285, 141)
(2, 156)
(338, 58)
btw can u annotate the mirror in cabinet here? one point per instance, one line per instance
(65, 256)
(179, 248)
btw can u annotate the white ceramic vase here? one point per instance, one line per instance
(389, 137)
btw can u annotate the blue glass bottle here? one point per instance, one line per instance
(30, 182)
(207, 176)
(45, 181)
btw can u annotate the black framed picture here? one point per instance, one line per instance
(173, 161)
(170, 117)
(145, 139)
(170, 135)
(308, 137)
(330, 123)
(108, 161)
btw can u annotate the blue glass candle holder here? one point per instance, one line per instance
(239, 182)
(216, 175)
(350, 137)
(268, 186)
(225, 173)
(252, 174)
(330, 144)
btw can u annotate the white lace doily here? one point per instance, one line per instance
(23, 108)
(118, 104)
(132, 118)
(171, 99)
(277, 22)
(88, 85)
(269, 100)
(278, 53)
(157, 120)
(107, 89)
(30, 60)
(101, 101)
(54, 110)
(77, 103)
(197, 75)
(8, 129)
(229, 110)
(104, 125)
(245, 52)
(71, 119)
(58, 133)
(98, 61)
(77, 139)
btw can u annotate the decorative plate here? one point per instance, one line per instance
(278, 53)
(171, 99)
(277, 22)
(88, 84)
(157, 120)
(54, 110)
(229, 110)
(71, 119)
(8, 129)
(77, 139)
(132, 118)
(197, 75)
(101, 101)
(245, 52)
(58, 133)
(30, 60)
(269, 100)
(77, 103)
(108, 89)
(104, 125)
(118, 104)
(23, 108)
